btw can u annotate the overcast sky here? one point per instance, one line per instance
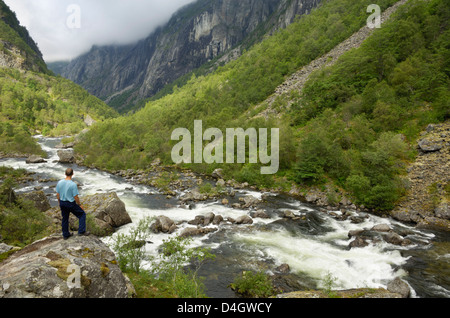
(64, 29)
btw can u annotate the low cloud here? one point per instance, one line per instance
(65, 29)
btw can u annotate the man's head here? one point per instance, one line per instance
(69, 172)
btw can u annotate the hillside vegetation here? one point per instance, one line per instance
(37, 103)
(354, 124)
(32, 100)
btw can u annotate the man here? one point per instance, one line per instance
(69, 202)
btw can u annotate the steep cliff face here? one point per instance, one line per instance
(198, 33)
(17, 49)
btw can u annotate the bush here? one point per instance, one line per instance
(254, 285)
(172, 267)
(129, 248)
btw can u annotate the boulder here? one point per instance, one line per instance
(218, 174)
(68, 145)
(244, 219)
(442, 211)
(163, 224)
(288, 214)
(430, 145)
(260, 214)
(66, 156)
(193, 231)
(199, 220)
(358, 242)
(218, 219)
(250, 201)
(39, 200)
(34, 159)
(209, 218)
(107, 209)
(194, 195)
(394, 238)
(81, 267)
(220, 183)
(381, 228)
(398, 286)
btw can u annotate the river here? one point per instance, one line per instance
(313, 249)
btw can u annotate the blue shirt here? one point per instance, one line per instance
(67, 190)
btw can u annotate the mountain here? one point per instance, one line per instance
(204, 31)
(348, 131)
(17, 48)
(32, 99)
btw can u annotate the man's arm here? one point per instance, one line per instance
(58, 197)
(77, 201)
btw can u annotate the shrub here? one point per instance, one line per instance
(172, 267)
(254, 285)
(129, 248)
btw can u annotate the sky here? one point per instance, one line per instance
(65, 29)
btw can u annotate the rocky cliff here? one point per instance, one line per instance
(17, 49)
(198, 33)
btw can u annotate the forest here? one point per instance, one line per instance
(36, 103)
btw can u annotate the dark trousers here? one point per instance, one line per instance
(66, 209)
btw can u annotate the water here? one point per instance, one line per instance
(315, 246)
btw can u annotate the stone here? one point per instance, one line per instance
(192, 231)
(163, 224)
(244, 219)
(393, 238)
(311, 197)
(218, 219)
(283, 268)
(288, 214)
(353, 233)
(398, 286)
(260, 214)
(194, 195)
(358, 242)
(199, 220)
(442, 211)
(81, 267)
(209, 218)
(381, 228)
(220, 183)
(250, 201)
(39, 199)
(218, 174)
(66, 156)
(35, 159)
(429, 145)
(107, 207)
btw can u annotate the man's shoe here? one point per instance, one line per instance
(84, 234)
(67, 237)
